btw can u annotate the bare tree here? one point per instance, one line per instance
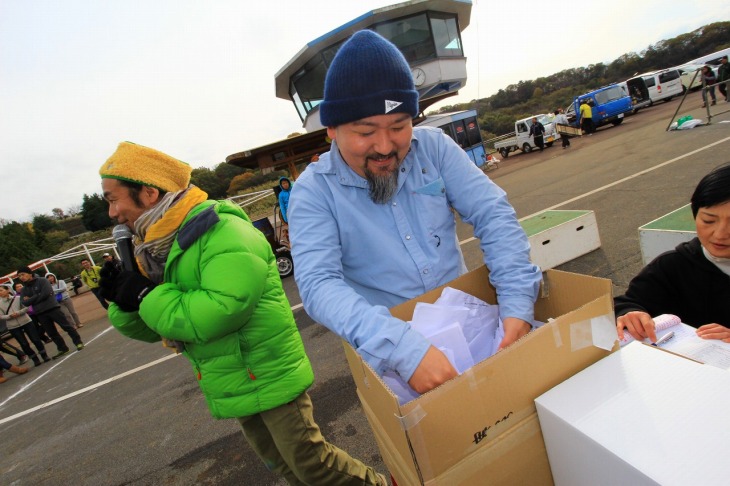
(74, 210)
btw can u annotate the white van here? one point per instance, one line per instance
(637, 90)
(712, 59)
(688, 77)
(662, 85)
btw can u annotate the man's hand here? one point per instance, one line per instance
(128, 290)
(514, 329)
(714, 331)
(434, 369)
(639, 324)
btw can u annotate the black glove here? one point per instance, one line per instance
(108, 274)
(129, 289)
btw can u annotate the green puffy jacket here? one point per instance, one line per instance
(222, 297)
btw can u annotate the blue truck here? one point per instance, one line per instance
(609, 104)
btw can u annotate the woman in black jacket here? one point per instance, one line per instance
(693, 280)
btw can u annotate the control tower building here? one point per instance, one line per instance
(427, 32)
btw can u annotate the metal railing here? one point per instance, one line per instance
(704, 90)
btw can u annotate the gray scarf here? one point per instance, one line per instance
(152, 255)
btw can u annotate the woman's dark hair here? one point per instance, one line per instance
(712, 190)
(134, 190)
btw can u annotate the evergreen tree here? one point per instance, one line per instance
(208, 181)
(17, 247)
(95, 213)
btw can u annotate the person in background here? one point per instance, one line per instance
(60, 289)
(537, 131)
(561, 119)
(77, 283)
(37, 292)
(6, 366)
(372, 223)
(692, 281)
(114, 263)
(21, 327)
(723, 75)
(38, 326)
(586, 117)
(285, 186)
(209, 287)
(90, 276)
(8, 348)
(709, 80)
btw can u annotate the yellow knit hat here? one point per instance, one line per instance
(146, 166)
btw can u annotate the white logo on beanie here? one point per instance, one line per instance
(392, 105)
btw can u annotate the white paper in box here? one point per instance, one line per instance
(639, 416)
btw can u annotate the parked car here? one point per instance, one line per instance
(662, 85)
(712, 59)
(688, 78)
(522, 140)
(608, 105)
(639, 93)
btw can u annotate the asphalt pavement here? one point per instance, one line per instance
(122, 412)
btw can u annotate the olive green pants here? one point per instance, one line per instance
(289, 442)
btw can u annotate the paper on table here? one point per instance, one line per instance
(686, 342)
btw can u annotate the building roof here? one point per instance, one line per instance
(460, 7)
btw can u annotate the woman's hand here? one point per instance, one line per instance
(714, 331)
(639, 324)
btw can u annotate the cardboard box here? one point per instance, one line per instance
(665, 233)
(568, 130)
(482, 426)
(639, 416)
(558, 236)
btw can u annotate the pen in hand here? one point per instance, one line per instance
(664, 338)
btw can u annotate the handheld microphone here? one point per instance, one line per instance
(123, 237)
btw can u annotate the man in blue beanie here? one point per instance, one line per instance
(372, 225)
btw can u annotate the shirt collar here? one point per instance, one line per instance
(721, 263)
(335, 164)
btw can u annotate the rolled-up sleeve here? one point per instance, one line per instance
(502, 239)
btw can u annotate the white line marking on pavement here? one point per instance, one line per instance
(615, 183)
(52, 367)
(83, 390)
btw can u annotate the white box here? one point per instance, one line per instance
(639, 416)
(557, 237)
(665, 233)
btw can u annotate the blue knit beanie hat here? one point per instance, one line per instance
(369, 76)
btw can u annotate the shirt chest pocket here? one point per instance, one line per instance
(433, 206)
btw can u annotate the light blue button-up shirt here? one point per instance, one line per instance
(353, 258)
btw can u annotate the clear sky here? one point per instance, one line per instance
(195, 78)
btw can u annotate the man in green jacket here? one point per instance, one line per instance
(209, 287)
